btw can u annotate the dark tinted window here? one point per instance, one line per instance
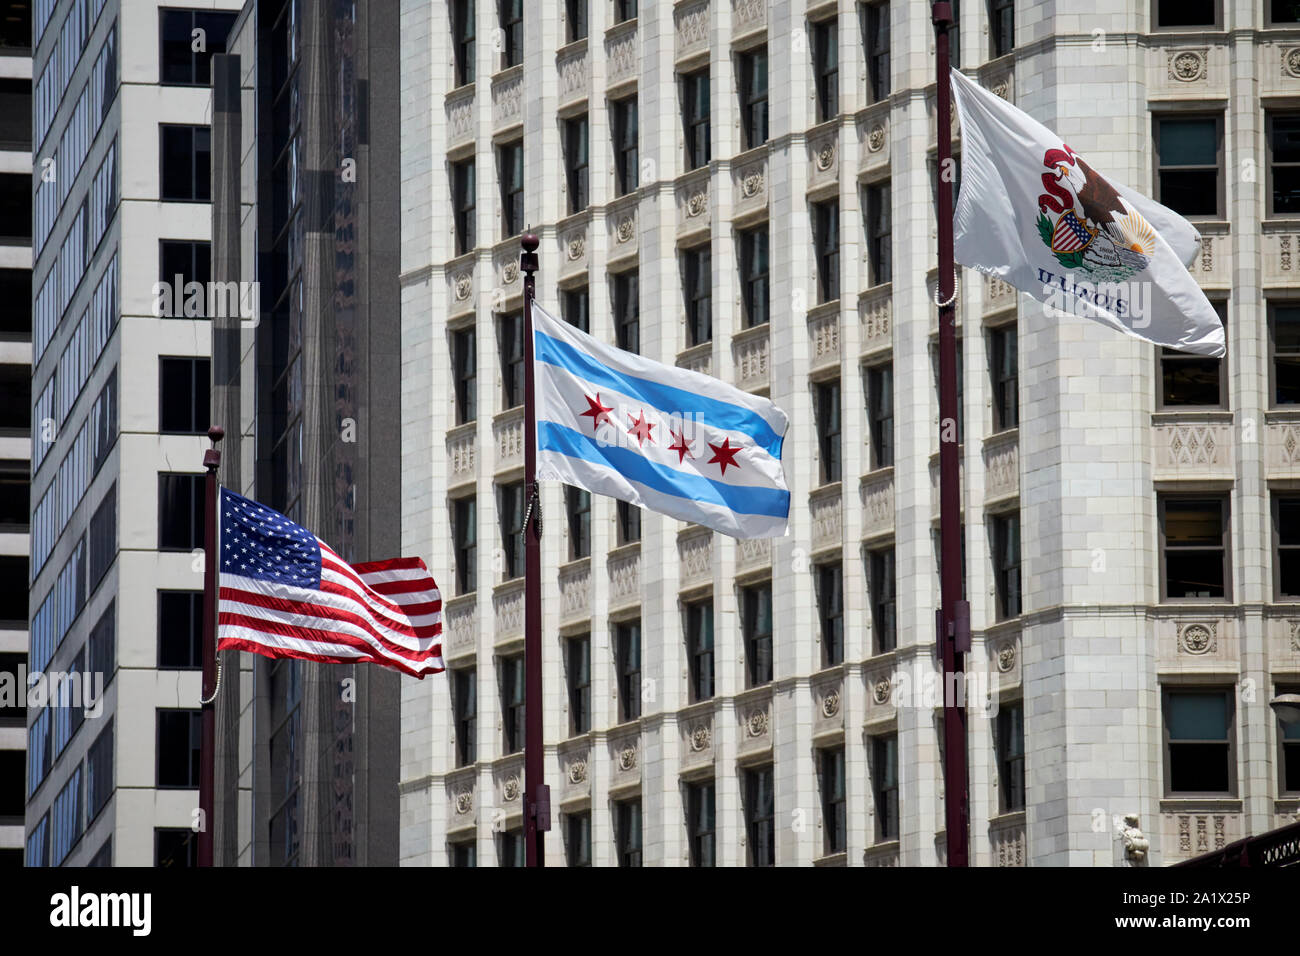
(181, 32)
(186, 163)
(180, 512)
(180, 629)
(178, 748)
(184, 387)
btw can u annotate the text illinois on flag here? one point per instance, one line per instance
(285, 593)
(1032, 212)
(675, 441)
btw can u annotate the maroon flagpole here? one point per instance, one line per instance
(537, 796)
(208, 726)
(954, 616)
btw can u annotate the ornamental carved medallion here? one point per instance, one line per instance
(1291, 62)
(700, 737)
(577, 246)
(626, 227)
(756, 724)
(876, 139)
(510, 789)
(578, 771)
(627, 759)
(464, 286)
(831, 703)
(464, 802)
(881, 689)
(1007, 657)
(826, 156)
(510, 272)
(1198, 638)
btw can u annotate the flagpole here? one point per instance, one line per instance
(537, 796)
(208, 738)
(954, 617)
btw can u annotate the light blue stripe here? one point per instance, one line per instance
(741, 499)
(666, 398)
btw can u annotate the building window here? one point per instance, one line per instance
(1283, 140)
(180, 629)
(627, 312)
(826, 69)
(1193, 537)
(1286, 543)
(826, 232)
(512, 529)
(464, 356)
(575, 162)
(756, 620)
(15, 209)
(462, 32)
(178, 735)
(511, 159)
(1002, 28)
(624, 10)
(830, 609)
(1284, 344)
(701, 823)
(464, 197)
(1200, 745)
(575, 306)
(880, 237)
(827, 398)
(578, 504)
(38, 844)
(625, 133)
(577, 838)
(464, 533)
(698, 266)
(15, 398)
(99, 773)
(880, 414)
(183, 261)
(1004, 371)
(184, 387)
(464, 854)
(884, 785)
(876, 28)
(180, 513)
(15, 508)
(884, 623)
(760, 816)
(1189, 157)
(1283, 12)
(1006, 564)
(512, 26)
(1188, 13)
(1010, 745)
(945, 431)
(186, 163)
(699, 645)
(627, 832)
(627, 658)
(695, 113)
(954, 36)
(511, 343)
(752, 68)
(629, 522)
(754, 276)
(181, 64)
(101, 656)
(510, 849)
(464, 702)
(175, 847)
(833, 800)
(16, 286)
(512, 702)
(1187, 379)
(1288, 742)
(576, 11)
(578, 672)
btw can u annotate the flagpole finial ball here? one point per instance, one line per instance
(530, 242)
(216, 433)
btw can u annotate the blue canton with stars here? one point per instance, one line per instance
(257, 542)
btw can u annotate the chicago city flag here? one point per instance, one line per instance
(677, 442)
(285, 593)
(1033, 213)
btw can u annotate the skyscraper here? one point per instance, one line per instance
(746, 189)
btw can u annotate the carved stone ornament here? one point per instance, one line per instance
(1291, 62)
(1197, 638)
(510, 272)
(577, 246)
(1006, 657)
(464, 802)
(1187, 66)
(1136, 844)
(826, 156)
(696, 204)
(876, 139)
(510, 790)
(700, 737)
(756, 724)
(1295, 635)
(831, 703)
(881, 689)
(578, 771)
(626, 226)
(627, 759)
(464, 286)
(752, 185)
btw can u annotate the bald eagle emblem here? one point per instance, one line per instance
(1086, 223)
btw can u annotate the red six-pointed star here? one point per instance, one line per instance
(725, 455)
(598, 412)
(640, 430)
(681, 447)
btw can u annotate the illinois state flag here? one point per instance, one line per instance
(285, 593)
(677, 442)
(1033, 213)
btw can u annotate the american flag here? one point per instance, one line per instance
(285, 593)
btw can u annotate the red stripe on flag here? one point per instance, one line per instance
(283, 606)
(276, 652)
